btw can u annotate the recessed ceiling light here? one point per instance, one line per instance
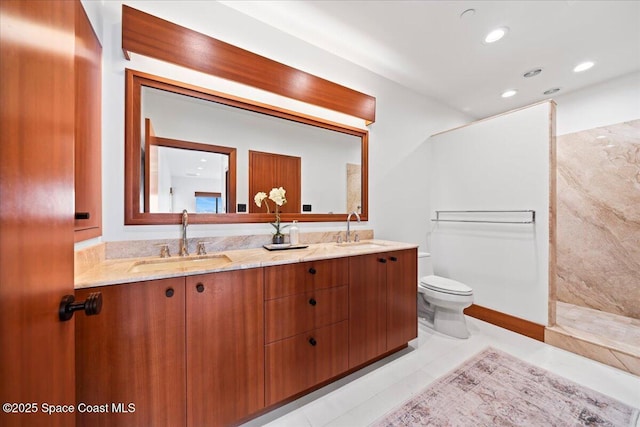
(583, 66)
(496, 35)
(203, 160)
(467, 14)
(532, 73)
(509, 93)
(552, 91)
(601, 137)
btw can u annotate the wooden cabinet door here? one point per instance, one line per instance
(367, 308)
(296, 364)
(88, 111)
(133, 353)
(402, 279)
(225, 347)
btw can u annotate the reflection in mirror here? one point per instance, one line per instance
(329, 178)
(191, 180)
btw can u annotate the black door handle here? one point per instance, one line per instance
(312, 301)
(91, 306)
(313, 341)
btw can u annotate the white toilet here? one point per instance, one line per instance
(441, 300)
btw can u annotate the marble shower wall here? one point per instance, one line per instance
(598, 218)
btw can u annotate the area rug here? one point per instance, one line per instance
(496, 389)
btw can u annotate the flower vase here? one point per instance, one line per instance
(278, 239)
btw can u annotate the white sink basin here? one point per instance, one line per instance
(182, 263)
(360, 245)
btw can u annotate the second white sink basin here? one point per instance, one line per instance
(360, 245)
(181, 263)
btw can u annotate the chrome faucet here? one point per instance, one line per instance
(349, 224)
(184, 251)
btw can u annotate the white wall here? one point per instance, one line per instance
(608, 103)
(501, 163)
(398, 206)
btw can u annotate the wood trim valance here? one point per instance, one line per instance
(151, 36)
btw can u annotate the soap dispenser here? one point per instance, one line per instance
(294, 233)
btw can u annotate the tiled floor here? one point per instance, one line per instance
(362, 397)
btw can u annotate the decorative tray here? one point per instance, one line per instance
(283, 246)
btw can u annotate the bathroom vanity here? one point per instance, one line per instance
(219, 345)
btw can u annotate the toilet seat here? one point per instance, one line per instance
(444, 285)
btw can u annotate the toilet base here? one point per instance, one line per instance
(449, 322)
(448, 319)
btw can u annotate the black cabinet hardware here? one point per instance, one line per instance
(382, 260)
(313, 301)
(312, 270)
(169, 292)
(91, 306)
(394, 259)
(313, 341)
(200, 288)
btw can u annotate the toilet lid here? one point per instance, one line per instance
(442, 284)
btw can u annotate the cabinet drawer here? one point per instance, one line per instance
(290, 279)
(295, 314)
(300, 362)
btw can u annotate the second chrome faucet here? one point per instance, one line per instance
(184, 246)
(349, 224)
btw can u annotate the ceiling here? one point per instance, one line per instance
(427, 46)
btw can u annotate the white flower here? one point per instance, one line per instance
(277, 195)
(259, 197)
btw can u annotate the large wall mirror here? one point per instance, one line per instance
(196, 149)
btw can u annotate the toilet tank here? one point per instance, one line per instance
(425, 267)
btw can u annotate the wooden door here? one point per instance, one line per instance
(36, 208)
(269, 170)
(225, 347)
(402, 280)
(367, 308)
(133, 355)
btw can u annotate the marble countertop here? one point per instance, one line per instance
(116, 271)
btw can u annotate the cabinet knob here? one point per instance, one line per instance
(312, 301)
(382, 260)
(313, 341)
(394, 259)
(169, 292)
(83, 215)
(312, 270)
(200, 288)
(91, 306)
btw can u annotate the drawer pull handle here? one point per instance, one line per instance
(313, 341)
(200, 288)
(394, 259)
(312, 270)
(313, 301)
(382, 260)
(169, 292)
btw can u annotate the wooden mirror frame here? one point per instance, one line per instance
(135, 80)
